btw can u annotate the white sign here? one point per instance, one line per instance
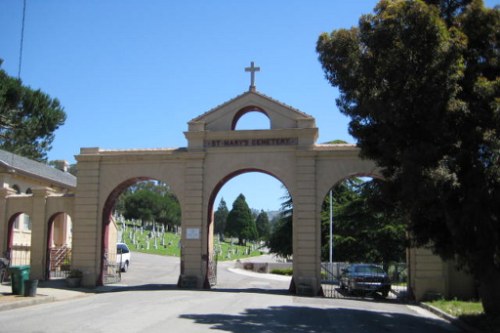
(193, 233)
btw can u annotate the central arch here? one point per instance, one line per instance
(210, 217)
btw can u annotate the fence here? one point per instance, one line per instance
(20, 255)
(60, 260)
(366, 284)
(112, 271)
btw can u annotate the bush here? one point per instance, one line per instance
(282, 271)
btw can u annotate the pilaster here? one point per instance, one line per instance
(5, 192)
(87, 224)
(39, 231)
(306, 230)
(194, 231)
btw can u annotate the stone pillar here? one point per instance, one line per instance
(87, 222)
(194, 231)
(39, 232)
(306, 228)
(5, 192)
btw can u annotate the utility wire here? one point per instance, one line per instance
(22, 41)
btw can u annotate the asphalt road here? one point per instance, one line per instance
(243, 302)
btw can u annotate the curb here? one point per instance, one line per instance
(452, 319)
(26, 302)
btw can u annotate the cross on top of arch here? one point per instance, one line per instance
(252, 69)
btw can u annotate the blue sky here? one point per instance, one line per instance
(131, 74)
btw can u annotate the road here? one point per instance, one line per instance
(149, 302)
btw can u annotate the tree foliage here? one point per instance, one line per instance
(150, 201)
(240, 222)
(28, 118)
(220, 218)
(281, 239)
(420, 82)
(366, 229)
(263, 226)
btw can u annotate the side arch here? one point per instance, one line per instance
(58, 246)
(107, 212)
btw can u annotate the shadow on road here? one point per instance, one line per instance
(305, 319)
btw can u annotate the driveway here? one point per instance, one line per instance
(241, 303)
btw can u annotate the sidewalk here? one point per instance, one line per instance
(47, 291)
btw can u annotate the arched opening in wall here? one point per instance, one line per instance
(18, 250)
(16, 188)
(363, 241)
(141, 234)
(251, 118)
(59, 246)
(249, 232)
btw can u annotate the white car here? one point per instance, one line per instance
(122, 256)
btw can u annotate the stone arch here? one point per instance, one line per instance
(371, 174)
(107, 212)
(18, 257)
(215, 190)
(244, 111)
(211, 201)
(58, 254)
(10, 230)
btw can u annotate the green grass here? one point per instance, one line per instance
(170, 246)
(458, 308)
(471, 312)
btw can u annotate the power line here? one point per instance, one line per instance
(22, 41)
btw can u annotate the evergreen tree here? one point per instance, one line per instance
(220, 218)
(263, 226)
(240, 222)
(366, 229)
(281, 239)
(28, 118)
(150, 201)
(421, 85)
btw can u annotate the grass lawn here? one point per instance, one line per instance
(169, 245)
(470, 312)
(458, 308)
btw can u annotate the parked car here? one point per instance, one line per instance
(122, 256)
(365, 278)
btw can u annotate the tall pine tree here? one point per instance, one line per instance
(220, 218)
(240, 222)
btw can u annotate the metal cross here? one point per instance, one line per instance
(252, 69)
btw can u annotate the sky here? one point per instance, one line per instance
(131, 74)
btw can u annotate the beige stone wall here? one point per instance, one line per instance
(430, 277)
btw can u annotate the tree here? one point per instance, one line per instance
(263, 226)
(142, 205)
(170, 211)
(365, 228)
(240, 222)
(28, 118)
(281, 239)
(421, 85)
(220, 218)
(150, 201)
